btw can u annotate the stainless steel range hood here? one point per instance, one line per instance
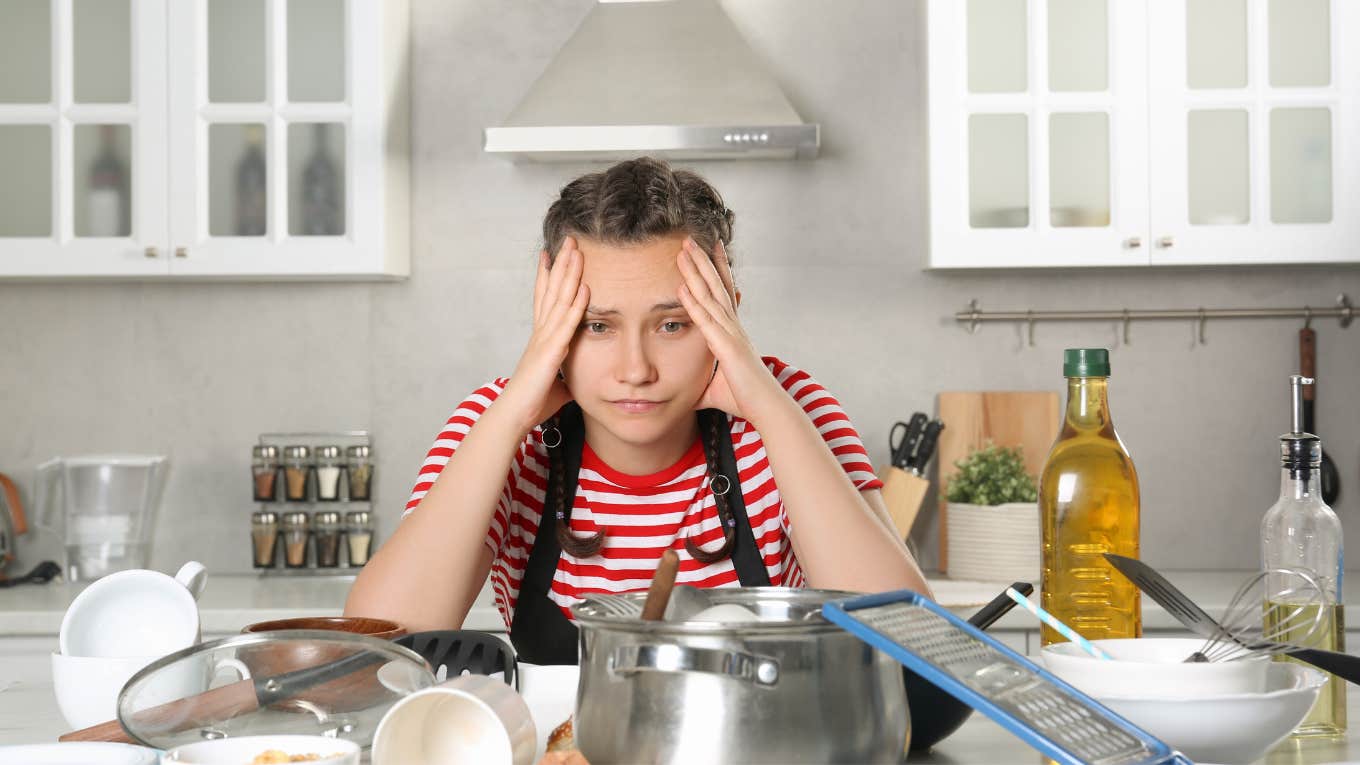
(669, 78)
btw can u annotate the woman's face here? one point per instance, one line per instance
(637, 365)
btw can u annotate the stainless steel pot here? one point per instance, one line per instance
(791, 689)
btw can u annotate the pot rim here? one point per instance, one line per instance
(813, 622)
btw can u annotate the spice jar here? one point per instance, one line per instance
(297, 469)
(328, 467)
(264, 469)
(264, 537)
(326, 532)
(360, 473)
(296, 535)
(359, 535)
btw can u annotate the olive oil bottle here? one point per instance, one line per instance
(1301, 532)
(1088, 503)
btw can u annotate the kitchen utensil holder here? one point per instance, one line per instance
(315, 503)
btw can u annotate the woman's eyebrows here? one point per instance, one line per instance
(673, 305)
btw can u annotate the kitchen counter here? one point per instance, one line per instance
(232, 601)
(29, 715)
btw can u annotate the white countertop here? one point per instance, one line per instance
(29, 715)
(231, 601)
(31, 614)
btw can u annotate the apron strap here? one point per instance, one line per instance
(540, 632)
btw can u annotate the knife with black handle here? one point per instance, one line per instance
(926, 448)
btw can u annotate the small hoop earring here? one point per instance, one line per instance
(552, 433)
(722, 488)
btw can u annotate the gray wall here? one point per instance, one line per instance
(830, 257)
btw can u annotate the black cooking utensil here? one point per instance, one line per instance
(40, 574)
(903, 438)
(1187, 612)
(935, 713)
(1328, 476)
(926, 448)
(459, 651)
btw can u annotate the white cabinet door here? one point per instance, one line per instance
(82, 137)
(277, 113)
(1038, 133)
(1255, 124)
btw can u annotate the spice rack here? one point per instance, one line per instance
(314, 493)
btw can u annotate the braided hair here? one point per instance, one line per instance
(712, 427)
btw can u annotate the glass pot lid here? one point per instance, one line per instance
(311, 682)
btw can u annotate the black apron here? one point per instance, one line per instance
(540, 632)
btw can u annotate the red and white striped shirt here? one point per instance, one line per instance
(644, 515)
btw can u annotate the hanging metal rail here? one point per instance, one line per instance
(975, 316)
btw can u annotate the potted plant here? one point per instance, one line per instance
(992, 527)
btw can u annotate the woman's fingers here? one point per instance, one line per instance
(540, 282)
(558, 276)
(717, 309)
(724, 269)
(703, 266)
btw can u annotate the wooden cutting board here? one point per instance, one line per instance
(1028, 419)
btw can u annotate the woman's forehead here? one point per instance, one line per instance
(636, 277)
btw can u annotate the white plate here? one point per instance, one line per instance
(79, 753)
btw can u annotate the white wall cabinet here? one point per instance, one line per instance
(239, 139)
(1171, 132)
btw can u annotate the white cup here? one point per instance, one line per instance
(471, 718)
(550, 692)
(134, 613)
(87, 687)
(236, 751)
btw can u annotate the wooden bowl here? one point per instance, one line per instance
(275, 659)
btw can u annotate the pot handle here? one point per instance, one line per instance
(668, 657)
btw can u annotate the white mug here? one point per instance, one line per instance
(471, 718)
(134, 613)
(87, 687)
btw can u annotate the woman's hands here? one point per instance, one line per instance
(560, 300)
(742, 385)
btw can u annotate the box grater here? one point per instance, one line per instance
(1053, 717)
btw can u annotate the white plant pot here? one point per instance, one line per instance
(993, 543)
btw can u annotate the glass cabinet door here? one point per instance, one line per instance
(267, 100)
(82, 115)
(1038, 133)
(1248, 131)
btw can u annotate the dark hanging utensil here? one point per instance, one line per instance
(1329, 476)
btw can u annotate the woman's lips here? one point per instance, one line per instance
(636, 406)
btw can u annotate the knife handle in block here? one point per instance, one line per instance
(902, 493)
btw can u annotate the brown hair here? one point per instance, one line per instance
(634, 202)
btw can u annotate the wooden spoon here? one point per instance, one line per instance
(659, 593)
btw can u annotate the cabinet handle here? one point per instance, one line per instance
(181, 252)
(1133, 242)
(152, 252)
(1165, 242)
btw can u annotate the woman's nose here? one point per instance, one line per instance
(634, 364)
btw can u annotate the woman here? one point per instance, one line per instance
(642, 416)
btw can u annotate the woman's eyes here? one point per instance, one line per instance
(671, 327)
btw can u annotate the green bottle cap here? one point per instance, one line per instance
(1086, 362)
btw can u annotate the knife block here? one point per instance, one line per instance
(903, 493)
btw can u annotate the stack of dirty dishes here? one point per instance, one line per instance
(114, 628)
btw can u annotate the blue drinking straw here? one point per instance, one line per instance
(1053, 622)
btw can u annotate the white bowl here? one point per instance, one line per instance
(243, 750)
(78, 753)
(1228, 729)
(1153, 668)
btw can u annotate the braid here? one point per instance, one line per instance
(556, 494)
(711, 424)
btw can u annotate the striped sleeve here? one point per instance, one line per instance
(446, 443)
(831, 421)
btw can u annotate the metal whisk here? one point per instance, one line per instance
(1296, 617)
